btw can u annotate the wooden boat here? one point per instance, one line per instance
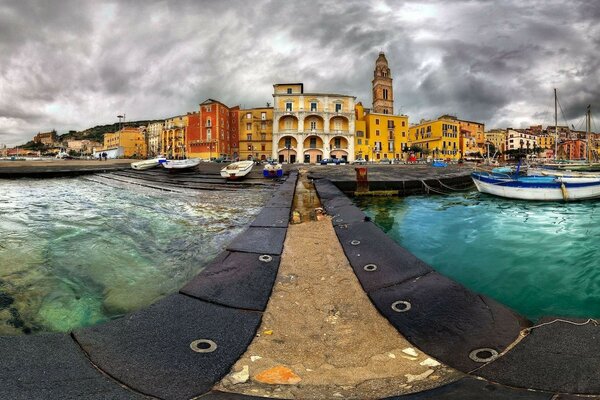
(147, 164)
(273, 170)
(237, 170)
(546, 188)
(178, 165)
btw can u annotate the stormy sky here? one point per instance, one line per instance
(73, 64)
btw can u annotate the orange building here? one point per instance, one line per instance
(218, 131)
(572, 150)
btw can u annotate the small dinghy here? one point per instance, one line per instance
(147, 164)
(178, 165)
(237, 170)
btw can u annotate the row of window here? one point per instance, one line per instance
(263, 136)
(263, 115)
(289, 107)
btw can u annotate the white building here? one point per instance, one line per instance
(516, 140)
(153, 134)
(309, 127)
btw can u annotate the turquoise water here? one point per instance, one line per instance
(78, 251)
(537, 258)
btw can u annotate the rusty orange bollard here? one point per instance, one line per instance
(362, 180)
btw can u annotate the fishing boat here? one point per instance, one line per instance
(147, 164)
(179, 165)
(273, 170)
(237, 169)
(545, 188)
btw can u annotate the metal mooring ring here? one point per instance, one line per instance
(401, 306)
(265, 258)
(203, 346)
(370, 267)
(483, 355)
(355, 242)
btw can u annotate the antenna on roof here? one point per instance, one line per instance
(268, 104)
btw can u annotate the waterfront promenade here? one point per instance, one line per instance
(327, 308)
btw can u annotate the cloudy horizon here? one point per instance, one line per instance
(71, 65)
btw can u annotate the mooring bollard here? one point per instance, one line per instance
(362, 181)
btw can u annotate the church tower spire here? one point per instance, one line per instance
(383, 95)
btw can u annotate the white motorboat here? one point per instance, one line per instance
(147, 164)
(237, 170)
(178, 165)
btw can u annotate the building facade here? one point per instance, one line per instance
(173, 137)
(385, 135)
(520, 140)
(217, 134)
(129, 142)
(153, 135)
(309, 127)
(83, 146)
(256, 133)
(46, 138)
(496, 137)
(439, 138)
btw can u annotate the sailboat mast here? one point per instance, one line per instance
(555, 125)
(588, 123)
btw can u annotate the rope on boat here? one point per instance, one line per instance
(430, 189)
(455, 189)
(590, 320)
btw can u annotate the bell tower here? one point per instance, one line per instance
(383, 95)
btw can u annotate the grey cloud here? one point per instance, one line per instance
(73, 64)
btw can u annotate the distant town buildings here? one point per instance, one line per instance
(46, 138)
(83, 147)
(307, 127)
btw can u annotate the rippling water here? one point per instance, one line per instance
(76, 252)
(537, 258)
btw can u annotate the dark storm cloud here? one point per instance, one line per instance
(74, 64)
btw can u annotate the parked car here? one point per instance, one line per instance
(223, 160)
(330, 161)
(385, 161)
(360, 161)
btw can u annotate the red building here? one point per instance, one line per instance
(572, 150)
(217, 131)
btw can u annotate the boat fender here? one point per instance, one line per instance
(563, 189)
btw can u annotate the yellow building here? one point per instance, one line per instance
(127, 142)
(385, 135)
(309, 127)
(438, 139)
(172, 137)
(497, 137)
(256, 133)
(545, 141)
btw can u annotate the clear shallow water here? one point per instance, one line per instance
(76, 252)
(537, 258)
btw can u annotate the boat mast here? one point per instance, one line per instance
(555, 126)
(588, 123)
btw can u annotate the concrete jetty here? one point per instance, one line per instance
(328, 308)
